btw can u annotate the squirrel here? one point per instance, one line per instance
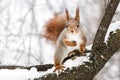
(67, 35)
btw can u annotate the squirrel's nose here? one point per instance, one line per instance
(72, 31)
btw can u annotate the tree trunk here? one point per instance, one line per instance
(101, 32)
(100, 54)
(100, 51)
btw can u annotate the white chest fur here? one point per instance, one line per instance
(74, 37)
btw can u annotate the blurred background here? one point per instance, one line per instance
(22, 23)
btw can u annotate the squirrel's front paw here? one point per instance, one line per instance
(58, 68)
(70, 43)
(73, 43)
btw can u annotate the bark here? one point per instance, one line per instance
(100, 54)
(38, 67)
(101, 32)
(89, 69)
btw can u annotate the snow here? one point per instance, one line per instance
(18, 74)
(77, 62)
(24, 74)
(112, 28)
(22, 22)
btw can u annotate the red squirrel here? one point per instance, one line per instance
(67, 35)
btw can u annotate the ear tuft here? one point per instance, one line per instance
(67, 14)
(77, 17)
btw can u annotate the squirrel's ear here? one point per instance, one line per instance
(77, 17)
(67, 14)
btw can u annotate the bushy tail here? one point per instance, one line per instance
(54, 27)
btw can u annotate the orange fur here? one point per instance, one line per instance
(82, 48)
(54, 27)
(69, 43)
(57, 65)
(67, 38)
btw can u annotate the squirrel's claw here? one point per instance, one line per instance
(58, 68)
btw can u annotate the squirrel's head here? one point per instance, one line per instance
(72, 24)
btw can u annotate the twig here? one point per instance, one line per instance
(38, 67)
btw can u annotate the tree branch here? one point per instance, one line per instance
(89, 69)
(100, 51)
(38, 67)
(44, 67)
(101, 32)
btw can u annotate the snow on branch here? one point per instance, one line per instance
(100, 53)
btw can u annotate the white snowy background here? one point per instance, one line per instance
(21, 26)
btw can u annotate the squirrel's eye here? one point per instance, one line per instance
(77, 25)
